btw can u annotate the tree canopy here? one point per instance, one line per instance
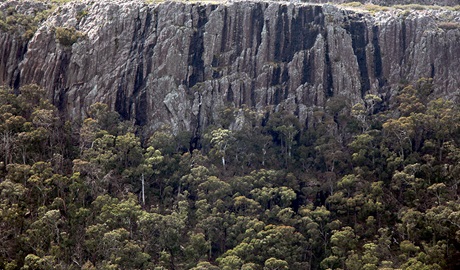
(373, 185)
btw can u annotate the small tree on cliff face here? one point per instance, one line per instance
(67, 36)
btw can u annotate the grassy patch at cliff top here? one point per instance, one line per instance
(409, 7)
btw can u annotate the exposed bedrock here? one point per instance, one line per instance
(178, 64)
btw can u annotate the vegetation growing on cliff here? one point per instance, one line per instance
(373, 8)
(23, 23)
(364, 187)
(67, 36)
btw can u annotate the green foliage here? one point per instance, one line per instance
(362, 187)
(275, 264)
(353, 4)
(411, 7)
(81, 14)
(67, 36)
(449, 25)
(24, 25)
(375, 8)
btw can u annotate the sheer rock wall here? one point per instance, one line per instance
(179, 64)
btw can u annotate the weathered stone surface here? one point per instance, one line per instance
(178, 64)
(393, 2)
(13, 43)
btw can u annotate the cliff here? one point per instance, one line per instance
(179, 64)
(392, 2)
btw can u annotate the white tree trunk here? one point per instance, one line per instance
(143, 190)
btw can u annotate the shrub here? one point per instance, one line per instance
(353, 4)
(67, 36)
(81, 14)
(411, 7)
(3, 25)
(23, 24)
(375, 8)
(449, 25)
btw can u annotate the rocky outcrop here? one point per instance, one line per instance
(392, 2)
(179, 64)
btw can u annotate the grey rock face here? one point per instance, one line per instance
(393, 2)
(179, 64)
(13, 43)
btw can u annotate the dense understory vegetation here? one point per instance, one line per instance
(366, 186)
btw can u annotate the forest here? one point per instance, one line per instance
(372, 185)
